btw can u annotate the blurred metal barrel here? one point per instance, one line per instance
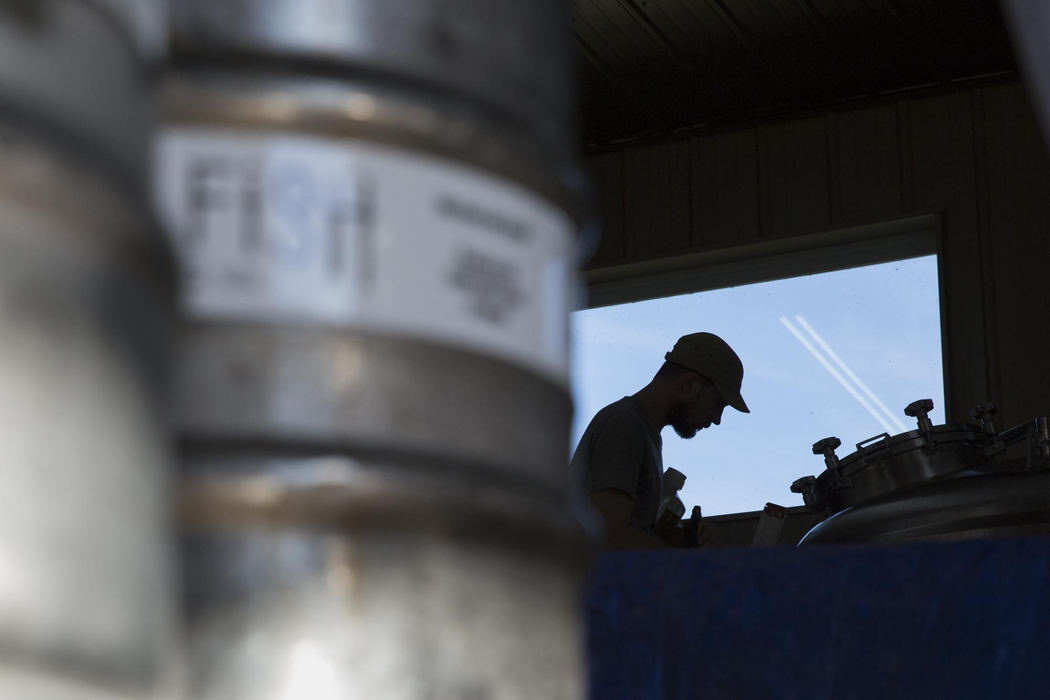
(375, 206)
(1029, 24)
(86, 293)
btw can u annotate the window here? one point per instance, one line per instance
(838, 353)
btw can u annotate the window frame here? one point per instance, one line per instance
(776, 259)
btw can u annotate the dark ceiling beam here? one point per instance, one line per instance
(820, 23)
(648, 77)
(655, 34)
(937, 67)
(732, 24)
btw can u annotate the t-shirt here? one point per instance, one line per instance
(619, 451)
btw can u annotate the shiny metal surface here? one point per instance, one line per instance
(886, 464)
(508, 58)
(327, 575)
(72, 70)
(386, 614)
(144, 23)
(86, 292)
(894, 463)
(371, 394)
(238, 365)
(318, 103)
(86, 598)
(329, 386)
(375, 513)
(966, 506)
(937, 482)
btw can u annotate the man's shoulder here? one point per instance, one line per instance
(621, 413)
(620, 407)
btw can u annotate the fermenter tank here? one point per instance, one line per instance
(947, 482)
(376, 206)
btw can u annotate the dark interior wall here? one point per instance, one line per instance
(738, 529)
(973, 155)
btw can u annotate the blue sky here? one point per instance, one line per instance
(882, 321)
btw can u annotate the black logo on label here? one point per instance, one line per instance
(219, 192)
(491, 285)
(493, 221)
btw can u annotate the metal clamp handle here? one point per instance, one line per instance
(882, 437)
(920, 410)
(1039, 442)
(827, 448)
(984, 414)
(804, 486)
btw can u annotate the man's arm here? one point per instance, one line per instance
(615, 506)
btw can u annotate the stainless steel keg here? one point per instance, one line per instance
(376, 206)
(938, 482)
(86, 292)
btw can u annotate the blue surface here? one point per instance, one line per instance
(961, 620)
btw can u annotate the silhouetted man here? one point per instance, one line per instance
(619, 454)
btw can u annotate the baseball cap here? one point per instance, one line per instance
(712, 357)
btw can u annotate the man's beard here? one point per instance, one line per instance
(684, 430)
(681, 425)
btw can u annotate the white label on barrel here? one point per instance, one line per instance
(277, 228)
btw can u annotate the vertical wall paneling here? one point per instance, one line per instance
(794, 177)
(974, 156)
(943, 176)
(1019, 215)
(606, 172)
(831, 147)
(867, 168)
(656, 205)
(905, 156)
(724, 196)
(993, 381)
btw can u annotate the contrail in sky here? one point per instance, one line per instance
(836, 374)
(849, 373)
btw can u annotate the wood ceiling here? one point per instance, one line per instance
(649, 68)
